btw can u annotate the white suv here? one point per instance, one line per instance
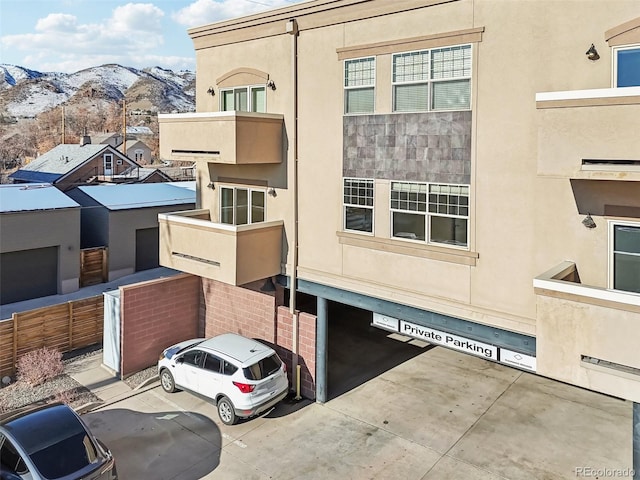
(242, 376)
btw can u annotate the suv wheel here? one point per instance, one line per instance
(226, 412)
(167, 382)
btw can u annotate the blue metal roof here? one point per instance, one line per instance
(32, 196)
(139, 195)
(35, 177)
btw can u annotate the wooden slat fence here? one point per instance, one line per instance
(65, 327)
(93, 266)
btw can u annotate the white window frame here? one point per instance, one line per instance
(357, 205)
(346, 88)
(249, 204)
(614, 70)
(427, 214)
(249, 89)
(610, 251)
(430, 82)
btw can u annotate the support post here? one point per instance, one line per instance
(322, 344)
(636, 441)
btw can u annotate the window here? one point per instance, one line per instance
(437, 79)
(358, 205)
(263, 368)
(193, 357)
(10, 459)
(627, 66)
(212, 363)
(625, 257)
(359, 85)
(244, 99)
(241, 206)
(437, 213)
(228, 368)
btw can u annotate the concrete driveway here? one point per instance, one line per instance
(438, 415)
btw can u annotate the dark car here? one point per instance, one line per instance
(45, 442)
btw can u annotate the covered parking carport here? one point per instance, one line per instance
(395, 321)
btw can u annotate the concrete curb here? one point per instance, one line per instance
(147, 382)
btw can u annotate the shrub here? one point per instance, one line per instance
(67, 396)
(38, 366)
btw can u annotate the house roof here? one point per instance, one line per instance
(103, 138)
(57, 162)
(22, 197)
(139, 195)
(131, 142)
(190, 185)
(140, 130)
(142, 173)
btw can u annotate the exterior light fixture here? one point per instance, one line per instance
(211, 186)
(271, 84)
(272, 192)
(588, 221)
(211, 91)
(592, 53)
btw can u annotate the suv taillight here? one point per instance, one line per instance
(244, 387)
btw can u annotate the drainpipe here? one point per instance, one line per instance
(292, 29)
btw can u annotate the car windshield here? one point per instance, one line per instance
(263, 368)
(171, 351)
(65, 457)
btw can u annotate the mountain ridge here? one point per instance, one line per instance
(26, 93)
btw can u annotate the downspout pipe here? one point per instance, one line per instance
(292, 29)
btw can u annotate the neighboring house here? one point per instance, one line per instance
(152, 175)
(139, 130)
(124, 218)
(138, 151)
(39, 242)
(439, 164)
(69, 165)
(113, 139)
(134, 148)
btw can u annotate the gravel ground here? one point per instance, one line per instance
(63, 387)
(137, 379)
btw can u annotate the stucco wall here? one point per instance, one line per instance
(122, 235)
(47, 228)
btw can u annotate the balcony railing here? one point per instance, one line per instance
(589, 134)
(235, 138)
(586, 335)
(233, 254)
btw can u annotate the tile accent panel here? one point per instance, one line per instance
(425, 147)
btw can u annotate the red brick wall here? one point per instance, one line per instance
(154, 315)
(252, 313)
(227, 308)
(306, 348)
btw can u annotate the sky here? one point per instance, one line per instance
(70, 35)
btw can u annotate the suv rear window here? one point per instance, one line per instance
(262, 369)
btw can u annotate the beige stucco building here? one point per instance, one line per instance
(467, 170)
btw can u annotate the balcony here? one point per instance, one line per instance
(589, 134)
(587, 336)
(233, 254)
(234, 138)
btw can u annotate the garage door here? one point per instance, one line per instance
(28, 274)
(147, 248)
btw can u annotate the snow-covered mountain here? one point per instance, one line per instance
(27, 93)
